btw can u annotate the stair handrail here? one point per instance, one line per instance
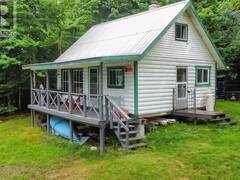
(122, 124)
(118, 108)
(110, 103)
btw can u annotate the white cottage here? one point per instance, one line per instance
(148, 64)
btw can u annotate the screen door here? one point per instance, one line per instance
(181, 87)
(93, 81)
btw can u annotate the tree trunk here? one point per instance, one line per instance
(20, 98)
(60, 42)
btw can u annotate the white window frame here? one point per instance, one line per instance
(77, 78)
(181, 32)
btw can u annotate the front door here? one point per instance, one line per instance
(181, 88)
(93, 99)
(93, 80)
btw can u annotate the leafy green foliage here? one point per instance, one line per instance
(222, 19)
(7, 110)
(45, 28)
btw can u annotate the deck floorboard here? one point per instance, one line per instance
(198, 113)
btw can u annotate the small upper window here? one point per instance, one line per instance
(115, 77)
(181, 32)
(203, 76)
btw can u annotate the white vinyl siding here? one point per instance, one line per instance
(123, 96)
(157, 72)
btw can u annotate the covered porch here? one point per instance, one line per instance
(80, 94)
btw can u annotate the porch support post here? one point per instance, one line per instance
(34, 79)
(47, 88)
(33, 117)
(70, 90)
(71, 131)
(31, 95)
(101, 138)
(31, 86)
(136, 113)
(106, 109)
(195, 100)
(48, 124)
(101, 91)
(174, 98)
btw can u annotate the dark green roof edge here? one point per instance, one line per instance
(55, 65)
(209, 37)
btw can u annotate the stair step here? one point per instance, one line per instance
(43, 124)
(130, 126)
(228, 123)
(130, 122)
(130, 132)
(131, 139)
(227, 119)
(219, 115)
(134, 146)
(216, 120)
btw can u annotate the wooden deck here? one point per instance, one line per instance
(91, 119)
(198, 114)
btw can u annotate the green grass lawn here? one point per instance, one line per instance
(180, 151)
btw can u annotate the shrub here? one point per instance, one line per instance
(6, 110)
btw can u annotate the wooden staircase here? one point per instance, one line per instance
(125, 128)
(130, 139)
(204, 116)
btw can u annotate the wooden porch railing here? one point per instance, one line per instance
(190, 102)
(76, 103)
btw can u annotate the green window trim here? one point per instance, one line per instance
(122, 68)
(181, 25)
(207, 84)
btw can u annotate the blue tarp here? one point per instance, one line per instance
(61, 127)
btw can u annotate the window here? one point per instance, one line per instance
(116, 77)
(181, 74)
(181, 32)
(65, 80)
(203, 75)
(78, 81)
